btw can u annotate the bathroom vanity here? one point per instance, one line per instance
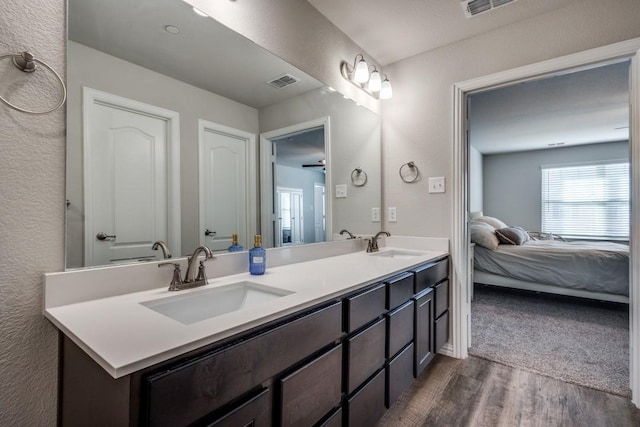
(345, 338)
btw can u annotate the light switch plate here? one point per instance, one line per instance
(341, 191)
(436, 184)
(375, 214)
(393, 217)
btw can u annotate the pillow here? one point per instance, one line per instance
(527, 237)
(512, 235)
(494, 222)
(482, 234)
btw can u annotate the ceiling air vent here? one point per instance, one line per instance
(475, 7)
(283, 81)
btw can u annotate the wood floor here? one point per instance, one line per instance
(475, 392)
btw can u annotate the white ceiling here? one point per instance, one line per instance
(589, 106)
(391, 30)
(205, 53)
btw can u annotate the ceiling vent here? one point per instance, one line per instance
(476, 7)
(283, 81)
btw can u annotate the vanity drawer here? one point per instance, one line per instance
(441, 331)
(399, 290)
(399, 374)
(254, 412)
(313, 390)
(334, 420)
(365, 354)
(366, 407)
(364, 307)
(429, 274)
(441, 297)
(186, 392)
(399, 328)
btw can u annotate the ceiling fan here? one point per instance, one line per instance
(321, 164)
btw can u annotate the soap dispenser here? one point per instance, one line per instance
(257, 257)
(235, 247)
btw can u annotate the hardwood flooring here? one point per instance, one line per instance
(477, 393)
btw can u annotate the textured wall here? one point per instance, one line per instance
(31, 212)
(418, 121)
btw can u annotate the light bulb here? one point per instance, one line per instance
(361, 73)
(199, 12)
(386, 92)
(375, 82)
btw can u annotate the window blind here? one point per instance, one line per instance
(586, 200)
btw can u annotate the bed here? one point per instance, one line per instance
(588, 269)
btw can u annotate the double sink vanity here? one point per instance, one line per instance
(329, 335)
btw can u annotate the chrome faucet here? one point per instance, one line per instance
(162, 245)
(372, 246)
(191, 280)
(351, 236)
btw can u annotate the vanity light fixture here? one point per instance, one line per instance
(369, 81)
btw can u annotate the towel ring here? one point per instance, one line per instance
(358, 177)
(412, 166)
(28, 63)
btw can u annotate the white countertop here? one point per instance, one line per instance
(124, 336)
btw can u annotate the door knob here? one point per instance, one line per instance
(208, 232)
(104, 236)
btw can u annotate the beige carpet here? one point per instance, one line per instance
(580, 341)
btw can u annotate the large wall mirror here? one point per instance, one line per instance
(181, 130)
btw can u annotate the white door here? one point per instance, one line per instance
(223, 186)
(290, 224)
(127, 183)
(319, 212)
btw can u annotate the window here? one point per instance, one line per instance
(586, 200)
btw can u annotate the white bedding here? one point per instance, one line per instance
(592, 266)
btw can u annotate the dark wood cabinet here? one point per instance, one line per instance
(364, 307)
(424, 320)
(399, 289)
(367, 405)
(313, 390)
(399, 374)
(338, 363)
(399, 328)
(365, 354)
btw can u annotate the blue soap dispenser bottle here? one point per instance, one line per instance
(257, 257)
(235, 247)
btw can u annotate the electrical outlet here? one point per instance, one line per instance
(375, 214)
(393, 215)
(341, 191)
(436, 184)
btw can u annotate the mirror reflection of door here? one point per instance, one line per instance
(298, 177)
(127, 179)
(225, 163)
(290, 224)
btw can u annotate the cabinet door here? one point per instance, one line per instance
(365, 307)
(399, 374)
(423, 330)
(253, 412)
(365, 354)
(399, 328)
(442, 331)
(310, 392)
(367, 406)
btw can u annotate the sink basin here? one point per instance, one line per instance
(207, 303)
(397, 253)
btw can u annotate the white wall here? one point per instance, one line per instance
(512, 181)
(355, 143)
(97, 70)
(304, 179)
(31, 212)
(32, 175)
(418, 121)
(475, 180)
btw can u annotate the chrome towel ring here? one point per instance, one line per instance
(26, 62)
(358, 177)
(409, 172)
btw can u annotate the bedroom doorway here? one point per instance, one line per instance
(461, 271)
